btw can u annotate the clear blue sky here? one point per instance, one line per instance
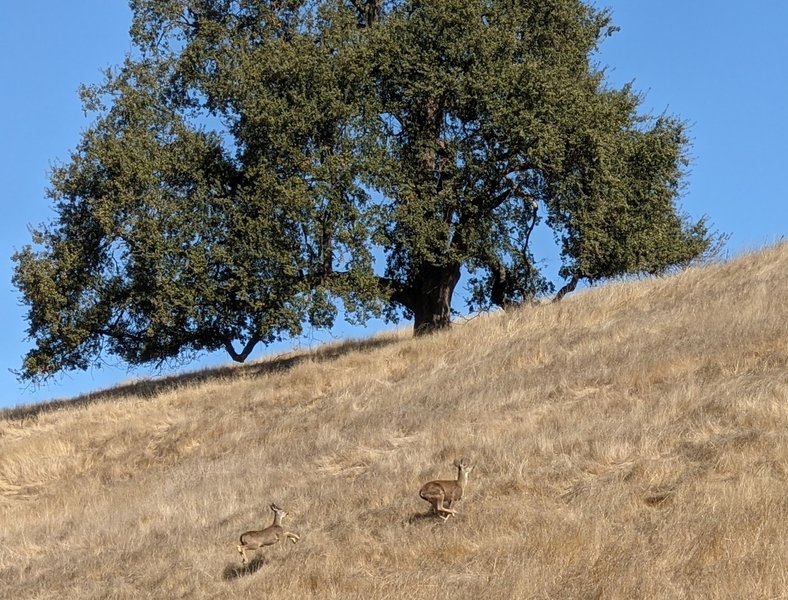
(719, 64)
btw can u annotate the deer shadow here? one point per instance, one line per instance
(235, 571)
(429, 517)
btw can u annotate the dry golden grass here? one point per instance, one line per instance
(630, 442)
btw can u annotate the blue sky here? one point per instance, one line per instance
(718, 64)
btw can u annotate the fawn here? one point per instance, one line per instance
(443, 493)
(252, 540)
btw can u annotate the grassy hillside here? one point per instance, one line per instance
(629, 442)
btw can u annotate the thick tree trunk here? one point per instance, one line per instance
(431, 298)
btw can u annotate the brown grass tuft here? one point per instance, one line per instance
(629, 442)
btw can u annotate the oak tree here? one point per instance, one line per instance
(254, 165)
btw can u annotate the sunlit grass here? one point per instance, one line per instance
(629, 442)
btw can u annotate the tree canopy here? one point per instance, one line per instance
(254, 165)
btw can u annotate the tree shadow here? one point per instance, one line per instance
(236, 571)
(151, 387)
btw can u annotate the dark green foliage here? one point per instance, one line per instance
(251, 155)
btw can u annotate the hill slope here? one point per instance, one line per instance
(629, 442)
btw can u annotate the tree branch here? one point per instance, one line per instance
(368, 11)
(394, 290)
(568, 288)
(397, 292)
(243, 354)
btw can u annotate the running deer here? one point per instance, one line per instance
(252, 540)
(442, 494)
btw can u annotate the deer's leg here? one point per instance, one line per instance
(443, 509)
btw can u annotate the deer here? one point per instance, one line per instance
(443, 493)
(252, 540)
